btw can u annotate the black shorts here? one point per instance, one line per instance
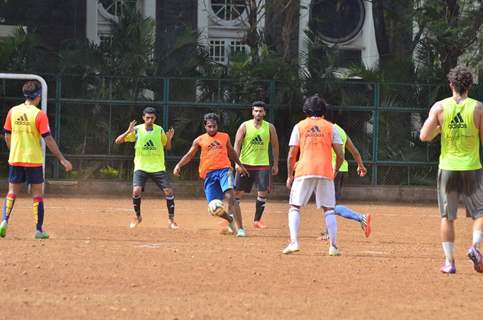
(31, 175)
(160, 178)
(261, 179)
(338, 183)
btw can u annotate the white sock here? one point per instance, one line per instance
(448, 251)
(293, 223)
(477, 236)
(331, 225)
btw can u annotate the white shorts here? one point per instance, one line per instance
(302, 189)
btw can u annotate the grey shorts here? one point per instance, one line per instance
(160, 179)
(452, 185)
(260, 178)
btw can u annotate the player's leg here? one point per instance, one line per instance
(35, 177)
(16, 177)
(162, 181)
(300, 194)
(243, 184)
(139, 180)
(212, 192)
(262, 181)
(226, 182)
(474, 208)
(325, 199)
(448, 206)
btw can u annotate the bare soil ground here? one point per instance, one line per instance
(95, 267)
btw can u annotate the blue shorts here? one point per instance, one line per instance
(217, 182)
(31, 175)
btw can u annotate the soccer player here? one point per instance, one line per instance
(364, 219)
(459, 121)
(215, 168)
(150, 141)
(314, 138)
(251, 144)
(24, 126)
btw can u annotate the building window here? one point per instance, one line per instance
(228, 9)
(117, 7)
(217, 51)
(220, 50)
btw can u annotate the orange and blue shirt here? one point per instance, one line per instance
(214, 152)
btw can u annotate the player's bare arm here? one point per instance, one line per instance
(240, 135)
(54, 148)
(361, 169)
(431, 127)
(122, 136)
(195, 147)
(291, 160)
(339, 156)
(8, 138)
(234, 157)
(275, 148)
(169, 136)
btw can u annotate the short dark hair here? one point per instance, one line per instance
(211, 116)
(461, 79)
(150, 110)
(259, 104)
(32, 89)
(315, 106)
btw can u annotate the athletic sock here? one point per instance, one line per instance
(39, 213)
(259, 207)
(8, 206)
(477, 236)
(331, 224)
(347, 213)
(136, 201)
(448, 248)
(293, 223)
(170, 205)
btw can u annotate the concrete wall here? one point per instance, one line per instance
(195, 189)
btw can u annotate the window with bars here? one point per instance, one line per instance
(221, 49)
(228, 9)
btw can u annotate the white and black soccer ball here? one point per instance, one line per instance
(216, 207)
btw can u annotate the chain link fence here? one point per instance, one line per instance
(88, 112)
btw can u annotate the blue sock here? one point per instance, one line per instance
(347, 213)
(331, 224)
(39, 213)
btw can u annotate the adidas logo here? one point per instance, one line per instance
(149, 146)
(257, 140)
(457, 122)
(22, 120)
(214, 145)
(314, 132)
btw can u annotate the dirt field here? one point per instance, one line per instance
(94, 267)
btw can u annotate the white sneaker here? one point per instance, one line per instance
(292, 247)
(333, 251)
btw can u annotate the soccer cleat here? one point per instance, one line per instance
(241, 233)
(324, 236)
(476, 258)
(231, 227)
(366, 224)
(135, 221)
(172, 225)
(448, 267)
(291, 248)
(40, 235)
(333, 251)
(259, 225)
(3, 228)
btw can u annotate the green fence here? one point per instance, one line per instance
(88, 112)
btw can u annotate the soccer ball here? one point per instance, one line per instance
(215, 207)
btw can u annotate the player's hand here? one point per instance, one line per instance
(132, 124)
(242, 170)
(289, 182)
(67, 165)
(361, 170)
(170, 133)
(177, 170)
(274, 170)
